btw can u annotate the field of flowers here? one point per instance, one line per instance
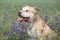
(10, 29)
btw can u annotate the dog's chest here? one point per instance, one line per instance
(35, 30)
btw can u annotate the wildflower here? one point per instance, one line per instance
(56, 18)
(6, 33)
(13, 22)
(22, 26)
(56, 24)
(59, 20)
(49, 24)
(13, 27)
(46, 18)
(20, 32)
(6, 16)
(31, 36)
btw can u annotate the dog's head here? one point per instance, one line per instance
(27, 13)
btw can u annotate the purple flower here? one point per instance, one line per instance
(31, 37)
(13, 22)
(59, 20)
(6, 16)
(21, 38)
(13, 27)
(56, 18)
(20, 32)
(22, 26)
(46, 18)
(56, 24)
(6, 33)
(49, 24)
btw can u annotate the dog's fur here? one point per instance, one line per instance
(38, 27)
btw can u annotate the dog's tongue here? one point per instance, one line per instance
(20, 19)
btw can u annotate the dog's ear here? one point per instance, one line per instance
(36, 8)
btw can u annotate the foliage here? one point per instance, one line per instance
(10, 29)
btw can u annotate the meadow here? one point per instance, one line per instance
(10, 29)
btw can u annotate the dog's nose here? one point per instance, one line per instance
(19, 13)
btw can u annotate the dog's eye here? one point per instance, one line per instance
(26, 10)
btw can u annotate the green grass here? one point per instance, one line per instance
(47, 7)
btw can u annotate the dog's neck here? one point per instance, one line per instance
(36, 19)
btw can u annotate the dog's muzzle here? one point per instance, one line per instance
(21, 18)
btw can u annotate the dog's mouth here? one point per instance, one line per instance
(23, 19)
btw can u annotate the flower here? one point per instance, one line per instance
(13, 27)
(6, 16)
(31, 36)
(46, 18)
(13, 22)
(22, 26)
(56, 18)
(20, 32)
(49, 24)
(59, 20)
(6, 33)
(56, 24)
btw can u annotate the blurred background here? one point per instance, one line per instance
(11, 30)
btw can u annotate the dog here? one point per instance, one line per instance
(38, 28)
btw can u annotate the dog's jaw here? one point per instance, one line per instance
(29, 14)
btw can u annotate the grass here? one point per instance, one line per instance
(10, 8)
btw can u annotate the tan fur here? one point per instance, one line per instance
(39, 28)
(31, 9)
(37, 25)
